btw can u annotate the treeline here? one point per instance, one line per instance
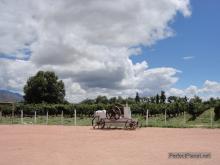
(174, 106)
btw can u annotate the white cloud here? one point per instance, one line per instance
(14, 74)
(157, 79)
(188, 57)
(17, 27)
(175, 92)
(87, 43)
(209, 89)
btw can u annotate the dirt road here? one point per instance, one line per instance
(69, 145)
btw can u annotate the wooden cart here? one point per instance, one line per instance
(116, 116)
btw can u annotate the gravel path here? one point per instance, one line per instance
(69, 145)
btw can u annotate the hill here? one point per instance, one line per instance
(7, 96)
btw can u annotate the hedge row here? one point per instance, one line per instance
(172, 109)
(56, 109)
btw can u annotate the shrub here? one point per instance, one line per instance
(217, 111)
(195, 109)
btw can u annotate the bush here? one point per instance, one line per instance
(6, 110)
(217, 111)
(195, 109)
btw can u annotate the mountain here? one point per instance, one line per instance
(7, 96)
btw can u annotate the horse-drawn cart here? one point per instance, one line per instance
(116, 116)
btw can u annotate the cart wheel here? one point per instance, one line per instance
(130, 124)
(108, 115)
(102, 123)
(117, 113)
(113, 113)
(95, 122)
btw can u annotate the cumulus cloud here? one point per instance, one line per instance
(87, 43)
(17, 28)
(14, 74)
(209, 89)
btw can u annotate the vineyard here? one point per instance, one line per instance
(177, 114)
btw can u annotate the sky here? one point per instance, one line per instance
(114, 47)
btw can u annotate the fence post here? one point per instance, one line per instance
(211, 116)
(165, 116)
(22, 121)
(184, 117)
(62, 117)
(147, 118)
(75, 117)
(0, 115)
(47, 118)
(35, 117)
(13, 112)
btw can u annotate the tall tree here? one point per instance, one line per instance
(185, 99)
(137, 98)
(157, 99)
(44, 87)
(162, 97)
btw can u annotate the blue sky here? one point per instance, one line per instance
(197, 36)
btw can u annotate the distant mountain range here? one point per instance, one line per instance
(7, 96)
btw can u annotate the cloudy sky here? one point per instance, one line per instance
(112, 47)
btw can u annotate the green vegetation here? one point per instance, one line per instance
(217, 111)
(44, 87)
(180, 112)
(203, 120)
(42, 120)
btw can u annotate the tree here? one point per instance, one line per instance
(112, 100)
(217, 112)
(152, 99)
(212, 102)
(88, 101)
(146, 99)
(185, 99)
(157, 99)
(44, 87)
(120, 100)
(196, 99)
(130, 100)
(137, 98)
(162, 97)
(102, 99)
(172, 99)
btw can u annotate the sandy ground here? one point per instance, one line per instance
(65, 145)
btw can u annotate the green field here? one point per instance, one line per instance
(52, 120)
(205, 120)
